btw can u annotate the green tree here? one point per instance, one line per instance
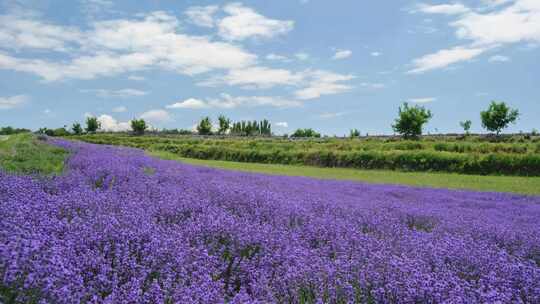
(466, 125)
(224, 124)
(411, 120)
(306, 133)
(205, 126)
(92, 124)
(354, 133)
(498, 116)
(138, 126)
(77, 129)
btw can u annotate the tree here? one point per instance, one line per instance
(138, 126)
(205, 126)
(77, 129)
(224, 124)
(92, 124)
(354, 133)
(498, 116)
(305, 133)
(411, 120)
(466, 125)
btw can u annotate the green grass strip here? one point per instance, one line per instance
(514, 184)
(25, 154)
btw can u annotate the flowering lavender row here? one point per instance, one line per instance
(122, 227)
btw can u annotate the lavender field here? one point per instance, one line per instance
(121, 227)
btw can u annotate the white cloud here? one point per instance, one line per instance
(243, 22)
(376, 54)
(422, 100)
(123, 93)
(119, 109)
(302, 56)
(276, 57)
(7, 103)
(25, 31)
(342, 54)
(446, 9)
(498, 58)
(125, 45)
(136, 78)
(497, 23)
(190, 103)
(156, 116)
(226, 101)
(110, 124)
(323, 83)
(202, 15)
(444, 58)
(282, 124)
(261, 77)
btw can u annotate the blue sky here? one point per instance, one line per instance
(330, 65)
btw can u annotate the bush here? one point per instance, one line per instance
(205, 126)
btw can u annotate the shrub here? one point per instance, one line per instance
(411, 120)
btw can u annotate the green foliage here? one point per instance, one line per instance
(411, 120)
(300, 133)
(60, 132)
(77, 129)
(224, 124)
(92, 124)
(138, 126)
(498, 116)
(205, 126)
(252, 128)
(470, 157)
(24, 154)
(466, 125)
(176, 132)
(354, 133)
(10, 130)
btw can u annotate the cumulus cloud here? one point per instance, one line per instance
(226, 101)
(110, 124)
(202, 15)
(123, 93)
(243, 22)
(302, 56)
(276, 57)
(342, 54)
(373, 85)
(282, 124)
(136, 78)
(375, 54)
(7, 103)
(156, 116)
(321, 83)
(117, 46)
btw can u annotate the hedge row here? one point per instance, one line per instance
(485, 164)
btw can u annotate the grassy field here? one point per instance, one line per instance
(514, 184)
(25, 154)
(517, 155)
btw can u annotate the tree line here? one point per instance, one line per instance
(409, 124)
